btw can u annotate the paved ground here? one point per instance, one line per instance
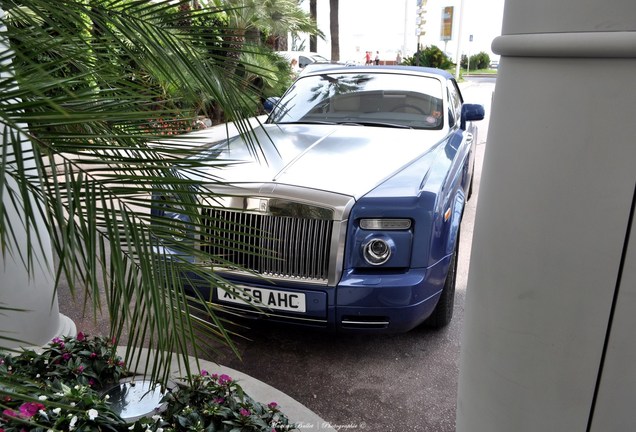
(385, 383)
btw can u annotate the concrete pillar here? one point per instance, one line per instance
(29, 313)
(548, 341)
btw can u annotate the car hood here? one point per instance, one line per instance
(349, 160)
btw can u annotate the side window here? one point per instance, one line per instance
(452, 121)
(303, 61)
(455, 104)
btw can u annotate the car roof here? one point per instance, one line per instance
(292, 54)
(415, 70)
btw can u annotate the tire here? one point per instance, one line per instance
(443, 312)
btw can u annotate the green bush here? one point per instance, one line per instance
(431, 56)
(480, 60)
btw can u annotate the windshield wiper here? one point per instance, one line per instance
(323, 122)
(376, 123)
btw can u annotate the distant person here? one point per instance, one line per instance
(398, 58)
(367, 58)
(294, 67)
(377, 58)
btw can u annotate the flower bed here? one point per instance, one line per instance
(62, 388)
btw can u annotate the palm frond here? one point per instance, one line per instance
(82, 85)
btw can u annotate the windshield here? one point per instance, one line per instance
(369, 99)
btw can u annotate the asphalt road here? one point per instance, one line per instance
(405, 382)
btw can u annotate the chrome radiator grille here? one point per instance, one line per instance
(278, 246)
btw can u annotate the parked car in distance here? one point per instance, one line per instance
(313, 67)
(348, 218)
(304, 58)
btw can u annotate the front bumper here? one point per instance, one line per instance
(361, 303)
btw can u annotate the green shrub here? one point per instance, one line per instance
(431, 56)
(480, 60)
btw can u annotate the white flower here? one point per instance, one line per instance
(71, 425)
(37, 376)
(107, 397)
(156, 417)
(72, 403)
(92, 414)
(77, 387)
(57, 410)
(42, 398)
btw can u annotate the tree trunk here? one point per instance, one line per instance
(313, 13)
(334, 28)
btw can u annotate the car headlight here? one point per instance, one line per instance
(376, 251)
(179, 224)
(171, 220)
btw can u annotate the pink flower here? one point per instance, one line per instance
(204, 372)
(224, 379)
(9, 413)
(80, 369)
(81, 336)
(91, 382)
(92, 356)
(66, 356)
(29, 409)
(272, 405)
(244, 412)
(218, 400)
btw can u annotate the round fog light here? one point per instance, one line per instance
(377, 251)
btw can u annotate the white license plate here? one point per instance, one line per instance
(272, 299)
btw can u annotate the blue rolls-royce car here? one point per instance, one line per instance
(347, 216)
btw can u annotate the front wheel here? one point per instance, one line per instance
(443, 312)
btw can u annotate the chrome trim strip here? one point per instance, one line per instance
(336, 254)
(366, 323)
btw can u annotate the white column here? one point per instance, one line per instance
(552, 221)
(35, 319)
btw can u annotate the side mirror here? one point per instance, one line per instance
(472, 112)
(270, 103)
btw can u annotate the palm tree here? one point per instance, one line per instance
(83, 113)
(273, 18)
(313, 14)
(334, 28)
